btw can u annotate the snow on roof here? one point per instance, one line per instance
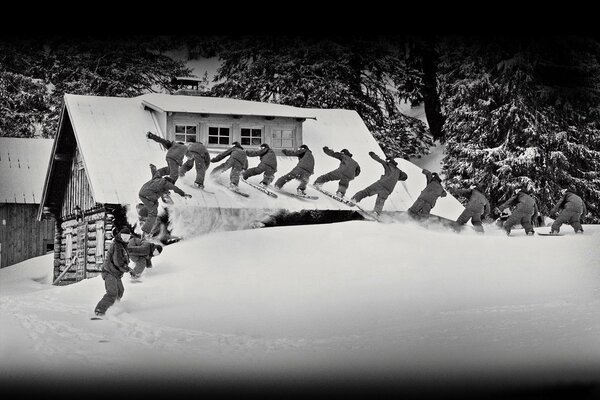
(23, 165)
(218, 105)
(111, 132)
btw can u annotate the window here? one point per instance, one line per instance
(251, 136)
(218, 135)
(282, 138)
(183, 133)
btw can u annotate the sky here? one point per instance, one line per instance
(318, 306)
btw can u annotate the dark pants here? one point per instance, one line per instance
(234, 176)
(375, 189)
(568, 217)
(150, 224)
(172, 169)
(114, 291)
(200, 168)
(141, 264)
(467, 215)
(519, 218)
(420, 209)
(300, 174)
(269, 173)
(343, 184)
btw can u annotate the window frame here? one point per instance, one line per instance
(252, 128)
(185, 134)
(219, 127)
(293, 138)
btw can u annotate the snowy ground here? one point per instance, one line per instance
(341, 303)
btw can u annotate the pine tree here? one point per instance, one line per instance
(519, 114)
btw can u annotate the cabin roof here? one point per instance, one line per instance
(23, 164)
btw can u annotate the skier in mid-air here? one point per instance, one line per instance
(384, 186)
(176, 151)
(346, 171)
(149, 194)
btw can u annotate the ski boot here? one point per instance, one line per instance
(301, 192)
(198, 185)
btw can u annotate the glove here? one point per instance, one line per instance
(325, 148)
(372, 153)
(148, 134)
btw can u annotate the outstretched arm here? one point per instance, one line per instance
(377, 158)
(332, 153)
(222, 155)
(558, 205)
(156, 138)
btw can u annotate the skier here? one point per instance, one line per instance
(347, 170)
(237, 161)
(175, 153)
(149, 195)
(302, 171)
(116, 263)
(267, 165)
(197, 154)
(421, 208)
(141, 252)
(385, 185)
(572, 207)
(525, 209)
(476, 208)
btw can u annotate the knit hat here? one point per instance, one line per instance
(264, 146)
(159, 248)
(391, 160)
(125, 230)
(346, 152)
(304, 147)
(168, 178)
(237, 144)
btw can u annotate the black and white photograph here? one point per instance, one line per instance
(302, 213)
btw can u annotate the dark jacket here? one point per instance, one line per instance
(477, 203)
(306, 160)
(523, 203)
(348, 166)
(156, 187)
(200, 150)
(237, 156)
(175, 151)
(267, 157)
(116, 260)
(571, 202)
(433, 190)
(391, 173)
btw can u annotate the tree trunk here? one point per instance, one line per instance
(431, 100)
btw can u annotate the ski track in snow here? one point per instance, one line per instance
(124, 329)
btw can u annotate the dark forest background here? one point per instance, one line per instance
(512, 110)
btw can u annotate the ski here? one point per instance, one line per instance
(95, 318)
(300, 196)
(238, 191)
(261, 188)
(550, 234)
(368, 215)
(199, 188)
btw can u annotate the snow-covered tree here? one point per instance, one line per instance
(523, 113)
(110, 66)
(351, 73)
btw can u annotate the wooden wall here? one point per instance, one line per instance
(21, 235)
(77, 192)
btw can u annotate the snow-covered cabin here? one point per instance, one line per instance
(23, 164)
(101, 158)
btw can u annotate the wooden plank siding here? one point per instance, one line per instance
(78, 191)
(21, 235)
